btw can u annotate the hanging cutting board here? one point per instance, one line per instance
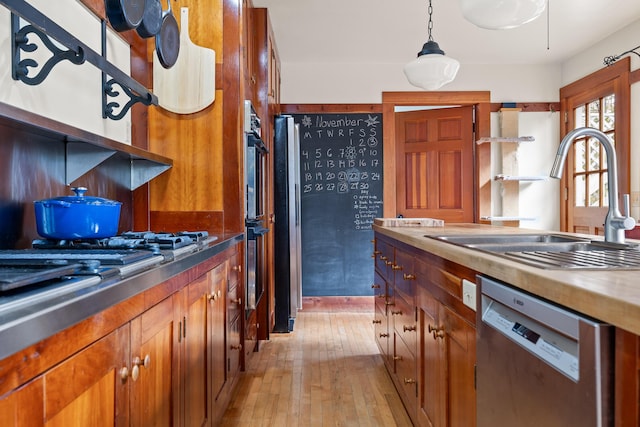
(188, 86)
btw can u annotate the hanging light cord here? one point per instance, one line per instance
(430, 25)
(608, 60)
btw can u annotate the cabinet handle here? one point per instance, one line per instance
(409, 381)
(436, 332)
(383, 335)
(406, 276)
(237, 268)
(397, 357)
(146, 362)
(389, 303)
(215, 295)
(383, 258)
(375, 286)
(377, 252)
(236, 347)
(237, 301)
(377, 322)
(406, 328)
(388, 262)
(124, 374)
(396, 313)
(396, 267)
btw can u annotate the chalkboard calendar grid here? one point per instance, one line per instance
(341, 193)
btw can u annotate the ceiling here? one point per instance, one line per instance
(387, 31)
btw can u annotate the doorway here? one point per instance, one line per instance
(479, 103)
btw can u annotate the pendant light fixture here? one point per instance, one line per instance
(501, 14)
(431, 69)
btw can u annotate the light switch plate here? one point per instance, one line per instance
(469, 294)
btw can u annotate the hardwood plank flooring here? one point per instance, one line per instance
(327, 372)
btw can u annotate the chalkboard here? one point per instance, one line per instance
(341, 194)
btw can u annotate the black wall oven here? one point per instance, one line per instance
(255, 158)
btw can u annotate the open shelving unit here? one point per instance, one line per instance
(509, 178)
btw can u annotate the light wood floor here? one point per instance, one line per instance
(327, 372)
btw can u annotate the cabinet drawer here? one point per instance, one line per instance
(380, 292)
(406, 376)
(384, 259)
(403, 315)
(404, 274)
(381, 331)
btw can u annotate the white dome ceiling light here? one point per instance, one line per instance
(501, 14)
(431, 69)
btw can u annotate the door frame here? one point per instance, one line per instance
(479, 99)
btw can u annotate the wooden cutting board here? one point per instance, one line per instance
(188, 86)
(408, 222)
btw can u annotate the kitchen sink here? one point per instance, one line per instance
(552, 250)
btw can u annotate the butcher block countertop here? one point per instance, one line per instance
(612, 296)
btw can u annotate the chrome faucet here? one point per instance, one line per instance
(615, 223)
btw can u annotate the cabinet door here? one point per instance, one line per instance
(460, 350)
(155, 367)
(432, 383)
(196, 365)
(218, 283)
(88, 389)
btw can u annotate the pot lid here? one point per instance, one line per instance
(80, 198)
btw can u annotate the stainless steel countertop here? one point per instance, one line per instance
(59, 313)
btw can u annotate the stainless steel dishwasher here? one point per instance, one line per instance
(539, 364)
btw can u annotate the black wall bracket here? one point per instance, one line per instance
(77, 53)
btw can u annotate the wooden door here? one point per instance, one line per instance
(434, 171)
(155, 354)
(88, 389)
(600, 101)
(196, 366)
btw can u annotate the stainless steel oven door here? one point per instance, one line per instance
(254, 158)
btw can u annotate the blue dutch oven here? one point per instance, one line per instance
(77, 217)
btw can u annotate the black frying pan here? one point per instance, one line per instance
(124, 15)
(151, 20)
(168, 39)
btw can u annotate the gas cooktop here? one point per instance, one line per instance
(130, 253)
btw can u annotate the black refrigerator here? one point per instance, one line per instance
(287, 237)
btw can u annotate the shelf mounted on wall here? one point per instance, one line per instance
(77, 53)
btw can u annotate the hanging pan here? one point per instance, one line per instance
(151, 20)
(168, 39)
(124, 15)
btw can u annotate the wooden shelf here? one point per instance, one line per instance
(515, 139)
(502, 177)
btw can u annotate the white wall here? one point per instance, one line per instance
(71, 93)
(310, 83)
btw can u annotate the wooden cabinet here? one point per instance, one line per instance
(89, 388)
(154, 366)
(433, 345)
(174, 363)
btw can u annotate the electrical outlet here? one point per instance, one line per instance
(469, 294)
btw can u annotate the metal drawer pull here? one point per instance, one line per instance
(396, 267)
(409, 381)
(396, 313)
(436, 332)
(397, 357)
(406, 328)
(377, 322)
(383, 335)
(137, 362)
(375, 286)
(406, 276)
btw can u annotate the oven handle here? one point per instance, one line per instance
(255, 232)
